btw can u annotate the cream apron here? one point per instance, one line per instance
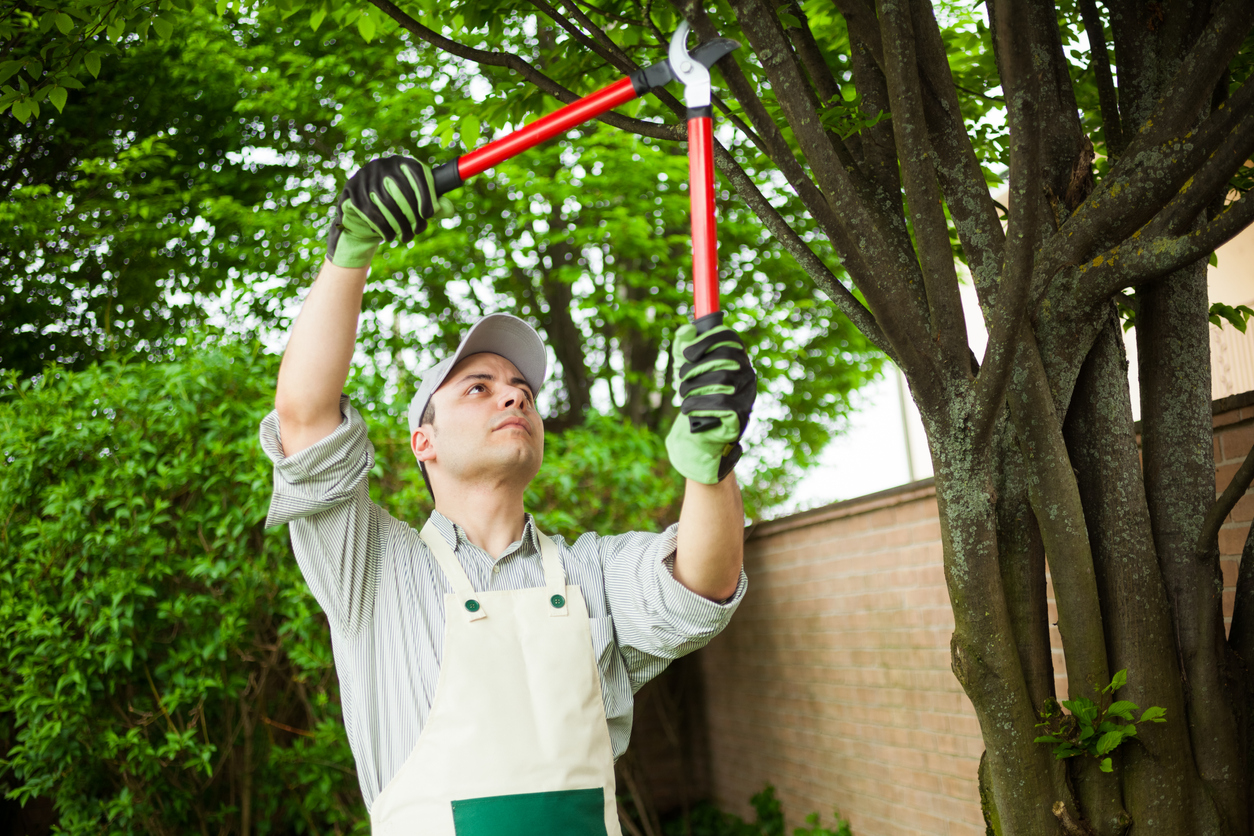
(516, 742)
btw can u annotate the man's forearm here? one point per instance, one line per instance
(711, 538)
(316, 361)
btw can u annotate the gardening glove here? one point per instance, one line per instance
(718, 385)
(387, 198)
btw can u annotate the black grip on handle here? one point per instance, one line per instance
(701, 423)
(710, 320)
(447, 177)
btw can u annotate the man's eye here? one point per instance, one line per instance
(479, 386)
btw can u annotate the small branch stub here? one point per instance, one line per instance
(1070, 824)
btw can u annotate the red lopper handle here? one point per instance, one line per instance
(546, 127)
(704, 233)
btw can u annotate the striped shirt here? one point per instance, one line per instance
(383, 594)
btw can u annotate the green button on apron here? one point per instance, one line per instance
(568, 812)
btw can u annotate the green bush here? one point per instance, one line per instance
(166, 670)
(708, 820)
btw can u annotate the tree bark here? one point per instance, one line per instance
(1159, 775)
(1177, 450)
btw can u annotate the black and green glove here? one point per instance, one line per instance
(718, 386)
(386, 199)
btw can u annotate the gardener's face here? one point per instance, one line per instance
(486, 430)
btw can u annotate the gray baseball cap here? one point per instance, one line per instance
(501, 334)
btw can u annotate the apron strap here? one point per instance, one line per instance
(462, 588)
(554, 576)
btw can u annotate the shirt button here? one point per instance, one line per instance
(557, 601)
(472, 605)
(496, 570)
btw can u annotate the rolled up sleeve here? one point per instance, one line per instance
(656, 618)
(337, 532)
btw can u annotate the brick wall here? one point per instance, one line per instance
(1234, 435)
(833, 682)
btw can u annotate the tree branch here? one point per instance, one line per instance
(1107, 96)
(1223, 506)
(1211, 180)
(1179, 102)
(1143, 260)
(892, 288)
(879, 146)
(1025, 202)
(914, 152)
(812, 57)
(528, 72)
(1137, 186)
(958, 169)
(861, 22)
(845, 301)
(597, 32)
(1059, 509)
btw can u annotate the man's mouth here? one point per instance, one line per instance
(514, 422)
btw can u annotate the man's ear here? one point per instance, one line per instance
(420, 443)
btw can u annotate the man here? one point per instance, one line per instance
(486, 670)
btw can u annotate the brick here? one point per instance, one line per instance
(1231, 540)
(1223, 475)
(1243, 511)
(1223, 419)
(1236, 442)
(1230, 567)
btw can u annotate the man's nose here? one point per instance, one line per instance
(513, 397)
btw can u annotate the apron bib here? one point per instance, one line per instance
(516, 743)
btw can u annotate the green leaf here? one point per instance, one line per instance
(1122, 709)
(1213, 261)
(35, 69)
(92, 61)
(64, 22)
(57, 96)
(8, 69)
(317, 16)
(1119, 680)
(1154, 714)
(1048, 738)
(223, 5)
(1105, 765)
(468, 130)
(116, 30)
(365, 25)
(163, 26)
(22, 110)
(1237, 316)
(1108, 742)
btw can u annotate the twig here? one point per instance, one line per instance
(1224, 504)
(286, 727)
(985, 96)
(624, 818)
(157, 697)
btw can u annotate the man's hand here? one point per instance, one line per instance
(718, 387)
(388, 198)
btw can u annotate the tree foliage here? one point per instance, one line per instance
(204, 195)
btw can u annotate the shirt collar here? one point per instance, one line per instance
(454, 535)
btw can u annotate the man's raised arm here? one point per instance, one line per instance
(718, 387)
(387, 199)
